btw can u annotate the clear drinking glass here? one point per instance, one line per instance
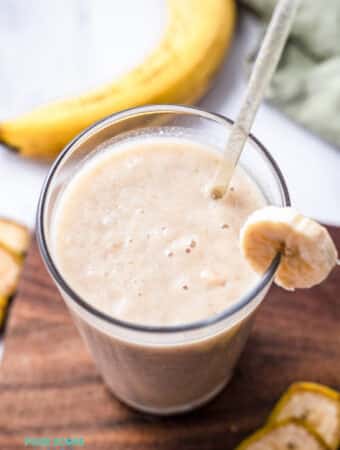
(165, 369)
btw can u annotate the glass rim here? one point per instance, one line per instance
(72, 294)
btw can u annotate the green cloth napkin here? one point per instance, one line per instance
(306, 85)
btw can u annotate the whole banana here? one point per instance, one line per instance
(178, 71)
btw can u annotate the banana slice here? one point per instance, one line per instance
(14, 241)
(14, 237)
(288, 435)
(9, 273)
(308, 253)
(316, 406)
(10, 266)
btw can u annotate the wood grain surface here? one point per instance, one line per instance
(49, 386)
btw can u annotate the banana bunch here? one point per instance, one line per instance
(307, 417)
(178, 71)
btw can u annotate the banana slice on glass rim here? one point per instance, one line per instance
(286, 435)
(317, 406)
(308, 253)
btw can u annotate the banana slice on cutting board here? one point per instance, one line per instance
(9, 272)
(9, 276)
(14, 237)
(316, 406)
(14, 241)
(287, 435)
(308, 253)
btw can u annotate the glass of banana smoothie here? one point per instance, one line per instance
(147, 262)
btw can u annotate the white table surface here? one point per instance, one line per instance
(53, 49)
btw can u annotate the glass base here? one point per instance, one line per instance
(180, 409)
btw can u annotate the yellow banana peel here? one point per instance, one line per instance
(290, 434)
(315, 405)
(178, 71)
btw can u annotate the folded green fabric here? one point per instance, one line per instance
(306, 85)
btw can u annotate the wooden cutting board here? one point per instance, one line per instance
(49, 386)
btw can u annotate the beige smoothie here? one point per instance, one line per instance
(138, 237)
